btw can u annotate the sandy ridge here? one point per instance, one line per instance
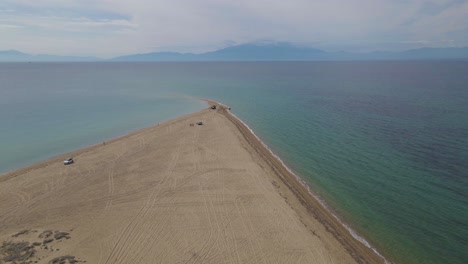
(172, 193)
(356, 249)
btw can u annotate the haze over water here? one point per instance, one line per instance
(385, 144)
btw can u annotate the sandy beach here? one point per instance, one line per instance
(171, 193)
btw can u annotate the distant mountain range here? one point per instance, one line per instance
(259, 52)
(16, 56)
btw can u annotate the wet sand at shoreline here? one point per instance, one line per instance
(172, 193)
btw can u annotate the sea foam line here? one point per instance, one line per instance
(320, 200)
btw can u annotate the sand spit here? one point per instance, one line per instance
(171, 193)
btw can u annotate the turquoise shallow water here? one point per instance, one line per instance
(385, 144)
(50, 109)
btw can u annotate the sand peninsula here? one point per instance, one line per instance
(171, 193)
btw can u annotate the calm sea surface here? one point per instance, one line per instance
(385, 144)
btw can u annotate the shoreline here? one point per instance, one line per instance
(301, 181)
(291, 188)
(306, 196)
(59, 158)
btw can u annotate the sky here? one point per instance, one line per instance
(107, 28)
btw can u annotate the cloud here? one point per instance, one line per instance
(9, 26)
(113, 27)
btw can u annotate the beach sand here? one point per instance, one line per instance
(171, 193)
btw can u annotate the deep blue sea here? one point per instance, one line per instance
(384, 144)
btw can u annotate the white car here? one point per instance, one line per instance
(68, 161)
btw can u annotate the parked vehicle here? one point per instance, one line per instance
(68, 161)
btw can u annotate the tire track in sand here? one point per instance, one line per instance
(50, 190)
(120, 247)
(111, 173)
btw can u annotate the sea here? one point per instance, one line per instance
(383, 144)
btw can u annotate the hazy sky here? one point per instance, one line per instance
(113, 27)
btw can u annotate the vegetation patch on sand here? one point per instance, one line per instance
(16, 252)
(34, 248)
(64, 260)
